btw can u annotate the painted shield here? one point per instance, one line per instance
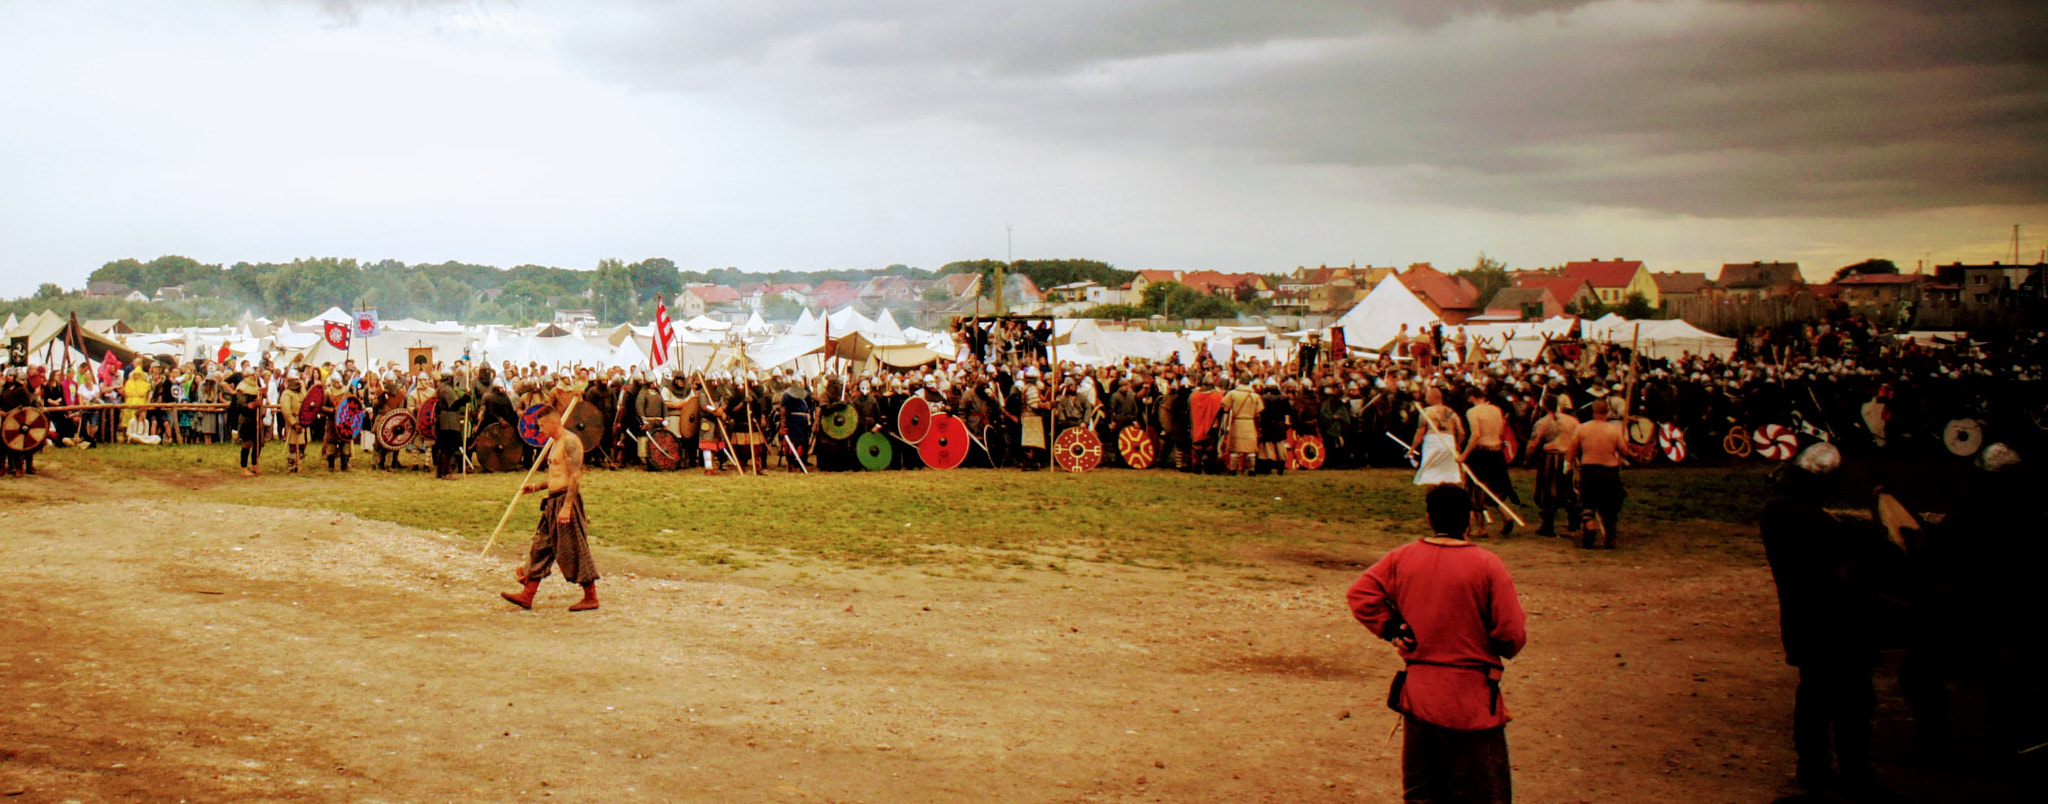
(1510, 445)
(1963, 437)
(529, 427)
(1137, 447)
(396, 429)
(840, 421)
(1775, 441)
(1671, 441)
(1308, 452)
(25, 429)
(664, 452)
(914, 420)
(348, 418)
(498, 448)
(1641, 430)
(874, 451)
(426, 419)
(1736, 443)
(587, 422)
(1077, 450)
(945, 446)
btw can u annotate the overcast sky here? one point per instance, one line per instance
(1222, 134)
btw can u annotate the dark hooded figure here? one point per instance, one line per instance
(795, 412)
(1830, 617)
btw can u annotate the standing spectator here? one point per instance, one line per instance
(1450, 609)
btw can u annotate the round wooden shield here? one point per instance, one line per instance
(1137, 447)
(1077, 450)
(498, 448)
(1776, 442)
(1963, 437)
(529, 427)
(1641, 430)
(945, 446)
(348, 417)
(25, 429)
(427, 419)
(1736, 443)
(664, 452)
(874, 451)
(1308, 452)
(914, 421)
(840, 421)
(396, 429)
(587, 422)
(1671, 441)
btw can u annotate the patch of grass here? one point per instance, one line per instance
(963, 517)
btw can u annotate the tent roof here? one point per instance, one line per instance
(334, 314)
(1376, 319)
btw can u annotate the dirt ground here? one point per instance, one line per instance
(204, 652)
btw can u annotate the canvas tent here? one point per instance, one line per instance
(1662, 340)
(43, 330)
(1376, 319)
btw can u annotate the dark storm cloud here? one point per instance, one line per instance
(1708, 107)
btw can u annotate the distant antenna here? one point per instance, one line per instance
(2015, 244)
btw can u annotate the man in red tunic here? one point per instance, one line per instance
(1450, 609)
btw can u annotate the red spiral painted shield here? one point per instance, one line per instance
(914, 421)
(1671, 440)
(945, 445)
(24, 429)
(1077, 450)
(1137, 447)
(1776, 442)
(1308, 452)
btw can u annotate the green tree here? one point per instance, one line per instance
(777, 308)
(1636, 306)
(611, 290)
(1488, 275)
(1114, 311)
(47, 291)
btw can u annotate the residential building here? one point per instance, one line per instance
(1452, 298)
(1146, 279)
(1989, 286)
(1523, 304)
(695, 300)
(1684, 285)
(170, 293)
(1569, 293)
(1760, 279)
(1615, 280)
(586, 318)
(1880, 289)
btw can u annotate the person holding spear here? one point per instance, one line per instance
(561, 536)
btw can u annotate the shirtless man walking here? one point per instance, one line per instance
(1554, 488)
(1596, 449)
(561, 537)
(1485, 456)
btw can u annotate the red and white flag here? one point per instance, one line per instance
(337, 335)
(662, 334)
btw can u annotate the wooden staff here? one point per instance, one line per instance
(723, 433)
(523, 481)
(1510, 512)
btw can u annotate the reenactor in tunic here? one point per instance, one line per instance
(292, 404)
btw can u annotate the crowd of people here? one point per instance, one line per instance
(1844, 382)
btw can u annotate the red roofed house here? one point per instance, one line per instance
(696, 299)
(1676, 285)
(1453, 299)
(1615, 280)
(1573, 293)
(1523, 304)
(1757, 279)
(1241, 287)
(962, 285)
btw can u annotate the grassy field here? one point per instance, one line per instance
(961, 517)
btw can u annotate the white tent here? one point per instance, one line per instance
(1669, 339)
(755, 326)
(807, 324)
(703, 324)
(627, 355)
(334, 314)
(1377, 318)
(886, 327)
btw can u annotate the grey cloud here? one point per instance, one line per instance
(1706, 108)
